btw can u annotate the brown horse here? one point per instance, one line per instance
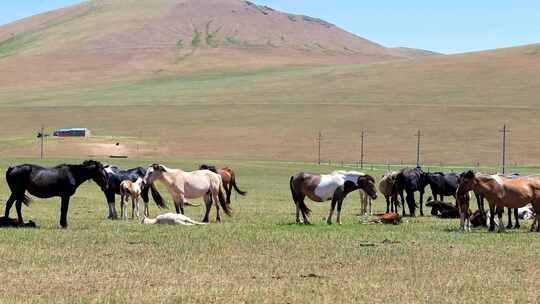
(503, 192)
(229, 180)
(321, 188)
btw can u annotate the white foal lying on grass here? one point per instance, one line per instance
(171, 219)
(131, 189)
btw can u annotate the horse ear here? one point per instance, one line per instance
(469, 174)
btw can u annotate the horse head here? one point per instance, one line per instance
(97, 173)
(153, 172)
(466, 182)
(367, 183)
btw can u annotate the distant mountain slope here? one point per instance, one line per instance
(101, 39)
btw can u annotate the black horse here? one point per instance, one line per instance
(115, 176)
(442, 184)
(411, 181)
(62, 180)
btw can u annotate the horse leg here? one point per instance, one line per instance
(215, 199)
(339, 204)
(509, 226)
(491, 217)
(64, 211)
(480, 202)
(388, 204)
(402, 203)
(112, 206)
(18, 206)
(369, 205)
(208, 204)
(330, 214)
(461, 220)
(411, 203)
(179, 204)
(133, 208)
(500, 211)
(9, 204)
(422, 203)
(516, 217)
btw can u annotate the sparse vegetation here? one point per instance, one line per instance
(211, 35)
(197, 38)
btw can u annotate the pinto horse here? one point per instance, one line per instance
(62, 181)
(326, 187)
(190, 185)
(502, 192)
(229, 180)
(115, 176)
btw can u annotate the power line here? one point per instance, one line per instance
(364, 134)
(418, 135)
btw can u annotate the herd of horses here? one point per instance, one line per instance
(215, 187)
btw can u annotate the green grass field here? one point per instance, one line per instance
(258, 255)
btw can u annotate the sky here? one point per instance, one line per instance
(451, 26)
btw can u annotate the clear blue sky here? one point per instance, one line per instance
(451, 26)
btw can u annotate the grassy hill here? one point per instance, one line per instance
(260, 105)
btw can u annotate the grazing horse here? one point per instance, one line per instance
(131, 189)
(411, 181)
(326, 187)
(503, 192)
(62, 181)
(116, 176)
(386, 187)
(229, 180)
(442, 184)
(190, 185)
(171, 219)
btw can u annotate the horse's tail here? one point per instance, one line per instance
(157, 197)
(233, 182)
(222, 201)
(25, 199)
(300, 203)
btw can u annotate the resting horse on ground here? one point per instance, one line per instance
(229, 180)
(171, 219)
(321, 188)
(62, 181)
(442, 209)
(503, 192)
(411, 181)
(190, 185)
(116, 176)
(386, 187)
(442, 184)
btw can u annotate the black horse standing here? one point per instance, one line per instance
(411, 181)
(115, 176)
(62, 180)
(442, 184)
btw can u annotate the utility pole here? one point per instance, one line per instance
(41, 135)
(418, 135)
(364, 134)
(319, 139)
(504, 131)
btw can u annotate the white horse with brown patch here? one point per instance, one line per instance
(129, 189)
(328, 187)
(190, 185)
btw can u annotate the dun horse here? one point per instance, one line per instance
(321, 188)
(190, 185)
(503, 192)
(62, 181)
(228, 176)
(129, 189)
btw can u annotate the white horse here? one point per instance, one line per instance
(171, 219)
(131, 189)
(191, 185)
